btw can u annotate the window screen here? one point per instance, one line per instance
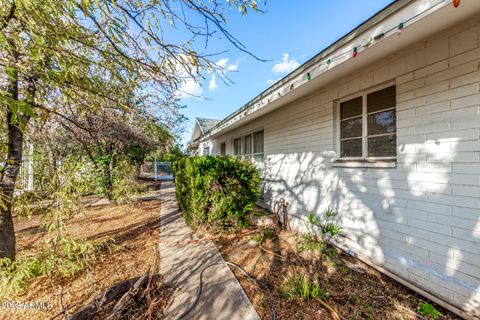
(237, 146)
(351, 128)
(382, 123)
(247, 144)
(250, 146)
(258, 142)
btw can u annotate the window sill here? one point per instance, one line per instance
(363, 163)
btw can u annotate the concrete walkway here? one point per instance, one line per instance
(183, 256)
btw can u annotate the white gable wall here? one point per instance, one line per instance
(197, 132)
(420, 220)
(210, 144)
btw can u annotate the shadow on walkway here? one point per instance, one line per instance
(182, 258)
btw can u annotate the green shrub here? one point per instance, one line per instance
(216, 191)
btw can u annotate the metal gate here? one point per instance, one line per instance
(162, 171)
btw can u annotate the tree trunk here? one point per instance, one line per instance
(138, 170)
(9, 176)
(108, 176)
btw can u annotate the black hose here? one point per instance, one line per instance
(256, 261)
(199, 289)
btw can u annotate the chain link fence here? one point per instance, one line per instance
(161, 171)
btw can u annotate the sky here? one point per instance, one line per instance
(287, 34)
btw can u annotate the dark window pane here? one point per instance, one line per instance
(258, 142)
(351, 108)
(382, 122)
(351, 148)
(247, 146)
(223, 149)
(258, 157)
(351, 128)
(384, 146)
(382, 99)
(237, 146)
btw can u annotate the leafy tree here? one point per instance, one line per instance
(89, 56)
(111, 136)
(173, 155)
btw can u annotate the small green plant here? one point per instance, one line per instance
(63, 258)
(330, 251)
(258, 238)
(260, 213)
(367, 310)
(301, 287)
(427, 310)
(343, 269)
(264, 235)
(310, 243)
(320, 231)
(353, 299)
(325, 227)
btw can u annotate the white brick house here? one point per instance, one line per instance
(203, 147)
(389, 138)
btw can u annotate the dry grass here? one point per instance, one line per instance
(135, 230)
(355, 290)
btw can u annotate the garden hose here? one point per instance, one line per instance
(273, 253)
(256, 262)
(199, 289)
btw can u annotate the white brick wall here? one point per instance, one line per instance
(420, 220)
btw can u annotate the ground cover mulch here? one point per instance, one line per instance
(134, 229)
(354, 290)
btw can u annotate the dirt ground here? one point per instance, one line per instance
(134, 228)
(354, 290)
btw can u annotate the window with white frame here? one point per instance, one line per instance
(367, 126)
(258, 145)
(206, 150)
(249, 146)
(223, 148)
(237, 146)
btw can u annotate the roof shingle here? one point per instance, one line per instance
(206, 124)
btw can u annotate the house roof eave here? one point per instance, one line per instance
(389, 16)
(379, 16)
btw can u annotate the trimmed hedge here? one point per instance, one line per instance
(216, 191)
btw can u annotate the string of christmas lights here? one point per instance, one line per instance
(357, 49)
(324, 65)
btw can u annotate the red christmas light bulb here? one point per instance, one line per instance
(400, 28)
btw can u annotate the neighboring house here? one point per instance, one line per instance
(25, 175)
(383, 126)
(198, 146)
